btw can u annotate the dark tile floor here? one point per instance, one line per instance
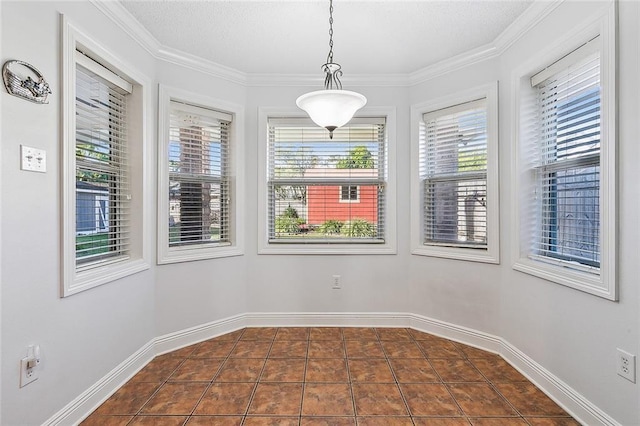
(329, 376)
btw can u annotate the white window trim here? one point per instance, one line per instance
(602, 284)
(388, 247)
(188, 253)
(350, 201)
(492, 253)
(74, 279)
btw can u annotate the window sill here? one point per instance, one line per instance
(584, 281)
(325, 249)
(194, 253)
(458, 253)
(94, 277)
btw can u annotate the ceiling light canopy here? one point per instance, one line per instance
(332, 107)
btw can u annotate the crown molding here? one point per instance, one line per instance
(535, 13)
(205, 66)
(117, 13)
(452, 64)
(538, 10)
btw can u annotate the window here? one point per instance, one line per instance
(311, 176)
(199, 197)
(349, 194)
(102, 166)
(197, 189)
(567, 227)
(454, 170)
(456, 166)
(567, 165)
(104, 199)
(327, 192)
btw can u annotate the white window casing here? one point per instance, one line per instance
(455, 192)
(564, 162)
(104, 171)
(200, 182)
(322, 195)
(350, 194)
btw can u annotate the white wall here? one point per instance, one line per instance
(284, 283)
(84, 336)
(459, 292)
(571, 334)
(195, 293)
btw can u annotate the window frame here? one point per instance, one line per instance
(465, 253)
(312, 248)
(193, 252)
(603, 283)
(349, 193)
(76, 278)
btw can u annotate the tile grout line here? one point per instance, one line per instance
(442, 381)
(255, 388)
(186, 420)
(304, 375)
(210, 384)
(162, 383)
(495, 389)
(395, 378)
(413, 340)
(396, 344)
(349, 381)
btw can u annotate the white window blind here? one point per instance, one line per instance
(323, 190)
(453, 172)
(101, 166)
(199, 187)
(567, 162)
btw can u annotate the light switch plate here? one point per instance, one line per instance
(33, 159)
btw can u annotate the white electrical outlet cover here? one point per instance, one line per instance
(27, 375)
(626, 366)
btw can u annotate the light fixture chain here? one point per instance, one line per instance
(332, 70)
(331, 108)
(330, 56)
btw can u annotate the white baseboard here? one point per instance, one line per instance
(74, 412)
(189, 336)
(564, 395)
(327, 319)
(457, 333)
(570, 400)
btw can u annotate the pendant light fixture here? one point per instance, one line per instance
(332, 107)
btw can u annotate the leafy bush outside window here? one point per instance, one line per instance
(359, 228)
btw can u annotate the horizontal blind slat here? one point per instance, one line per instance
(325, 190)
(566, 227)
(199, 186)
(102, 182)
(453, 169)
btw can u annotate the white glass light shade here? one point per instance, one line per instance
(331, 108)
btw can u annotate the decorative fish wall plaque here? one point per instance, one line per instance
(29, 84)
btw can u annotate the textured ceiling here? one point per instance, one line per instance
(291, 37)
